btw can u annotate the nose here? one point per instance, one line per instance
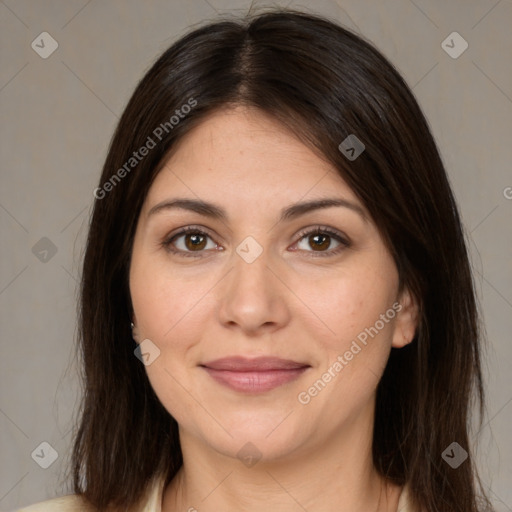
(253, 296)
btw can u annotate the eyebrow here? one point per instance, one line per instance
(291, 212)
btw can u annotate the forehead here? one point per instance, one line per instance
(244, 154)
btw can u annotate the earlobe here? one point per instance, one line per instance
(406, 320)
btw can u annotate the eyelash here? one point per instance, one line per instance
(319, 230)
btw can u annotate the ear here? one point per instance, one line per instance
(135, 330)
(406, 320)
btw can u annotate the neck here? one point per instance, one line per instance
(337, 476)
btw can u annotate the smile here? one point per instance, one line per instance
(254, 382)
(254, 375)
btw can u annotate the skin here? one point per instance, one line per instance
(295, 301)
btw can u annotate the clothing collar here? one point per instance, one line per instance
(155, 496)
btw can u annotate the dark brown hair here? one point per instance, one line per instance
(324, 83)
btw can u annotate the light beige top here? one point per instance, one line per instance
(73, 503)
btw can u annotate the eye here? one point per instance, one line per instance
(194, 241)
(320, 238)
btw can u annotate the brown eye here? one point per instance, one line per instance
(187, 241)
(320, 239)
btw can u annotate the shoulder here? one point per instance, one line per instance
(70, 503)
(151, 502)
(405, 503)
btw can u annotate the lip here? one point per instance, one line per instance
(256, 364)
(256, 375)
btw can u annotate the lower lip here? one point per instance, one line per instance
(255, 382)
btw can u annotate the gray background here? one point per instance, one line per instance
(58, 115)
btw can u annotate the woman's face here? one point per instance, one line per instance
(262, 283)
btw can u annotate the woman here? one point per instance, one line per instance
(277, 308)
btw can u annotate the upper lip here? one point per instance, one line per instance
(243, 364)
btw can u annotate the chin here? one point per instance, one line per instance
(257, 439)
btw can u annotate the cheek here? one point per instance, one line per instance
(355, 355)
(171, 312)
(357, 344)
(164, 301)
(351, 303)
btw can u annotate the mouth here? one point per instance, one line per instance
(254, 375)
